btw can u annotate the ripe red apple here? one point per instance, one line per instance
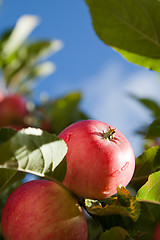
(99, 158)
(12, 111)
(43, 210)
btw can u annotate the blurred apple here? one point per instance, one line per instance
(43, 210)
(12, 111)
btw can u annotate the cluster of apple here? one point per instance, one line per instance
(99, 159)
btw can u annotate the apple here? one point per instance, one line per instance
(12, 111)
(99, 158)
(43, 210)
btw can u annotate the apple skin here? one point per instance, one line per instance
(43, 210)
(95, 165)
(12, 111)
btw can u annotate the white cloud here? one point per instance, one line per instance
(106, 99)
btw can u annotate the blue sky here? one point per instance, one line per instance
(86, 64)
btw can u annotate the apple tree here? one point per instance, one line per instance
(132, 28)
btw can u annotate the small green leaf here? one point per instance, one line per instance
(115, 233)
(137, 38)
(42, 69)
(154, 129)
(34, 151)
(124, 204)
(43, 48)
(146, 164)
(150, 192)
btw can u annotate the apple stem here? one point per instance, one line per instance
(109, 134)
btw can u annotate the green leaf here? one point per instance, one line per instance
(131, 27)
(124, 204)
(143, 228)
(8, 177)
(6, 134)
(115, 233)
(66, 108)
(146, 163)
(148, 62)
(42, 69)
(34, 151)
(43, 48)
(3, 39)
(36, 72)
(19, 67)
(94, 228)
(154, 129)
(150, 192)
(18, 35)
(20, 61)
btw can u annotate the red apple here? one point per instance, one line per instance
(43, 210)
(12, 110)
(99, 158)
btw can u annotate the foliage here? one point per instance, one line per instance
(34, 151)
(150, 191)
(115, 233)
(55, 111)
(133, 29)
(21, 61)
(124, 204)
(22, 65)
(136, 38)
(154, 129)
